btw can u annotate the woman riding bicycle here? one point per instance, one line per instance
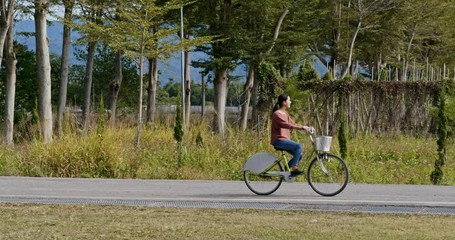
(282, 124)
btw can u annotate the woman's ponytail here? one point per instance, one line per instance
(276, 107)
(281, 99)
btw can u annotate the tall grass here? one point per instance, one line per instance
(111, 154)
(397, 159)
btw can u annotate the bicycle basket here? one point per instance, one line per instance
(323, 143)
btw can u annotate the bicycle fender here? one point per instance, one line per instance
(259, 162)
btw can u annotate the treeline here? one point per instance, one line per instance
(382, 40)
(167, 94)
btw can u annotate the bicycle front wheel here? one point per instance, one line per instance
(264, 183)
(329, 175)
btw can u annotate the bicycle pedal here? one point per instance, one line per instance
(291, 179)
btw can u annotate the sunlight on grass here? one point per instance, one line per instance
(24, 221)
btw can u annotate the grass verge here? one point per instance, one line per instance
(31, 221)
(206, 156)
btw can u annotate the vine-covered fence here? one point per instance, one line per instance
(373, 107)
(364, 107)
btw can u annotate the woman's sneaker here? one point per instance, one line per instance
(296, 173)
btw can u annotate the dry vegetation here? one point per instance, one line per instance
(111, 153)
(28, 221)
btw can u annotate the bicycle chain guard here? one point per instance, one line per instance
(259, 162)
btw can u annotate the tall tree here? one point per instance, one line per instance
(114, 88)
(10, 88)
(92, 14)
(115, 84)
(427, 37)
(219, 16)
(152, 81)
(364, 9)
(44, 69)
(132, 36)
(412, 33)
(190, 23)
(104, 69)
(326, 23)
(260, 24)
(6, 19)
(26, 86)
(68, 17)
(152, 89)
(6, 25)
(187, 85)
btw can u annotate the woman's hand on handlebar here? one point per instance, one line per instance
(310, 130)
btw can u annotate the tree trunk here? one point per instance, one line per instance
(254, 102)
(187, 90)
(114, 88)
(3, 33)
(44, 69)
(246, 99)
(277, 30)
(141, 87)
(221, 89)
(250, 88)
(88, 86)
(203, 94)
(336, 35)
(65, 65)
(315, 112)
(151, 89)
(351, 47)
(152, 84)
(6, 19)
(406, 57)
(10, 89)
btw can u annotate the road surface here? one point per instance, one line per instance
(425, 199)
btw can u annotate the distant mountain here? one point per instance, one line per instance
(169, 70)
(54, 31)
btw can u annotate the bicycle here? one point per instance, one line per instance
(327, 173)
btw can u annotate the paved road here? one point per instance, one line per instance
(227, 194)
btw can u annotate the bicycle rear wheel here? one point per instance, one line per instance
(330, 183)
(264, 183)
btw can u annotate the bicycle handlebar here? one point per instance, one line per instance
(312, 132)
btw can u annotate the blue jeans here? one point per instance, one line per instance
(294, 148)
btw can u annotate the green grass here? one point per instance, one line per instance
(30, 221)
(398, 159)
(112, 154)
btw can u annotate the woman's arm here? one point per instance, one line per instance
(284, 121)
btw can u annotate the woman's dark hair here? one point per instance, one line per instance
(281, 99)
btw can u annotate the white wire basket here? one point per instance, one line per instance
(323, 143)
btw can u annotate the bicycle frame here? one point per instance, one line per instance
(286, 173)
